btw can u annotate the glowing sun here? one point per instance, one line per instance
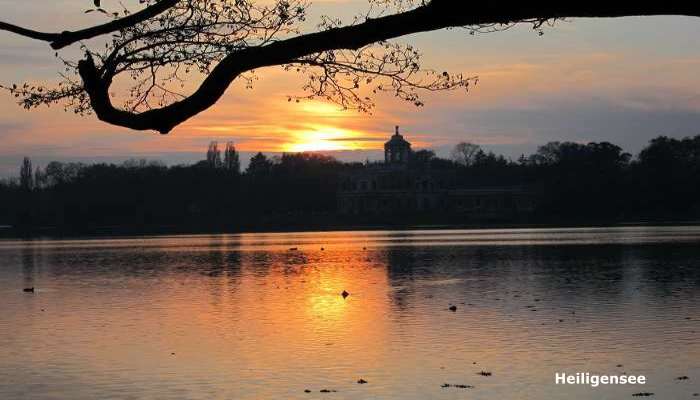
(322, 138)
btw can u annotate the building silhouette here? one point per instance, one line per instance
(397, 150)
(400, 185)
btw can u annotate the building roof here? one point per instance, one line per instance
(397, 140)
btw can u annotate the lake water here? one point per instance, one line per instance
(245, 317)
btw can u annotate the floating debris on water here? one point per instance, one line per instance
(28, 290)
(361, 381)
(484, 373)
(458, 386)
(682, 378)
(328, 390)
(643, 394)
(345, 294)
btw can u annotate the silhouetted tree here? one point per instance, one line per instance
(668, 176)
(575, 182)
(259, 166)
(489, 160)
(522, 160)
(549, 154)
(214, 156)
(39, 178)
(465, 153)
(26, 175)
(58, 173)
(232, 162)
(173, 41)
(583, 180)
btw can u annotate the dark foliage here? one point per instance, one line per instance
(594, 182)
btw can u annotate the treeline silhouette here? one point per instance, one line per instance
(574, 183)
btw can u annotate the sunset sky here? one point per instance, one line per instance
(624, 81)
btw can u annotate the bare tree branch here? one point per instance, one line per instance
(66, 38)
(227, 39)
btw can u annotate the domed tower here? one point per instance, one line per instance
(397, 150)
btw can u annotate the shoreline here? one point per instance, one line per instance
(10, 232)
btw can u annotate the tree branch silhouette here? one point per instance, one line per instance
(223, 41)
(66, 38)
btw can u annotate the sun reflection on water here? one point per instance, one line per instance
(247, 317)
